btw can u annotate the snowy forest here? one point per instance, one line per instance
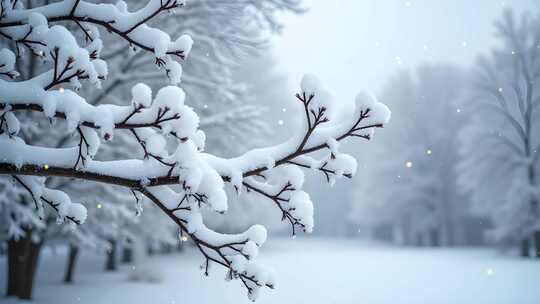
(277, 151)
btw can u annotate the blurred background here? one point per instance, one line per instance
(444, 207)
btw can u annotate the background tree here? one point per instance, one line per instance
(230, 34)
(500, 144)
(422, 206)
(17, 222)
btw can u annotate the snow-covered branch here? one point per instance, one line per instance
(56, 199)
(116, 19)
(201, 175)
(173, 172)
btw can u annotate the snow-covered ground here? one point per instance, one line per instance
(310, 271)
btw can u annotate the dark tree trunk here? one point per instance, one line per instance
(419, 240)
(537, 244)
(14, 252)
(71, 263)
(434, 237)
(127, 255)
(110, 264)
(28, 266)
(525, 247)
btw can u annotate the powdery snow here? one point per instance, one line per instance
(333, 272)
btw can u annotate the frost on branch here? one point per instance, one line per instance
(58, 200)
(16, 216)
(7, 64)
(173, 171)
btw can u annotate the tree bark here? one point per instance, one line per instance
(127, 255)
(434, 237)
(14, 252)
(28, 266)
(71, 263)
(537, 244)
(110, 264)
(150, 250)
(418, 240)
(525, 247)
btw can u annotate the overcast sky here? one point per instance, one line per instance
(357, 44)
